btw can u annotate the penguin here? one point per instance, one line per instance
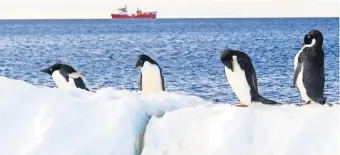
(309, 72)
(241, 77)
(151, 78)
(65, 77)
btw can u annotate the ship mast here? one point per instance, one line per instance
(123, 11)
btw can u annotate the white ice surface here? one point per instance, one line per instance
(49, 121)
(256, 130)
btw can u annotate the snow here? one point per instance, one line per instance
(256, 130)
(40, 121)
(36, 120)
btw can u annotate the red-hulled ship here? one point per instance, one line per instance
(139, 14)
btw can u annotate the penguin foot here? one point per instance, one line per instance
(241, 105)
(305, 103)
(308, 102)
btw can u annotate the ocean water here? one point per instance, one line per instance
(188, 51)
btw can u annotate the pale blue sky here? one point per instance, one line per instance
(14, 9)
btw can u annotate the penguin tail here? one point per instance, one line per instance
(264, 100)
(323, 100)
(84, 88)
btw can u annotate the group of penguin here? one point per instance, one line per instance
(309, 75)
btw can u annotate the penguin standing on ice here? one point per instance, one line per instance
(65, 77)
(309, 70)
(151, 78)
(241, 76)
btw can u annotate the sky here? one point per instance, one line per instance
(47, 9)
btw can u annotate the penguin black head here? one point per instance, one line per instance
(227, 58)
(52, 68)
(65, 68)
(142, 58)
(313, 35)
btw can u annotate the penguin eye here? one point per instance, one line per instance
(309, 37)
(50, 69)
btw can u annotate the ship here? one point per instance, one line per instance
(123, 13)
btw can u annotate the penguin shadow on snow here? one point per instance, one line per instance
(66, 77)
(241, 77)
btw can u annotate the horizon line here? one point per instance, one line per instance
(279, 17)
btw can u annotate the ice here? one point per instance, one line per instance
(36, 120)
(40, 120)
(256, 130)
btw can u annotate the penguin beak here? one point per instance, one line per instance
(47, 70)
(229, 65)
(44, 70)
(138, 64)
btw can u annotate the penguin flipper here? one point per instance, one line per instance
(297, 71)
(80, 84)
(76, 75)
(254, 76)
(163, 88)
(248, 68)
(141, 82)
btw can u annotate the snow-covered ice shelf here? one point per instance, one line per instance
(256, 130)
(36, 120)
(47, 121)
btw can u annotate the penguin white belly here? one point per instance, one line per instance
(238, 82)
(151, 78)
(301, 86)
(296, 58)
(61, 83)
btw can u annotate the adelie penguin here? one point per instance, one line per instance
(65, 77)
(151, 78)
(309, 75)
(241, 77)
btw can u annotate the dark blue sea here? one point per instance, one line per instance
(188, 50)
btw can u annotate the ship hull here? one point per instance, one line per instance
(145, 15)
